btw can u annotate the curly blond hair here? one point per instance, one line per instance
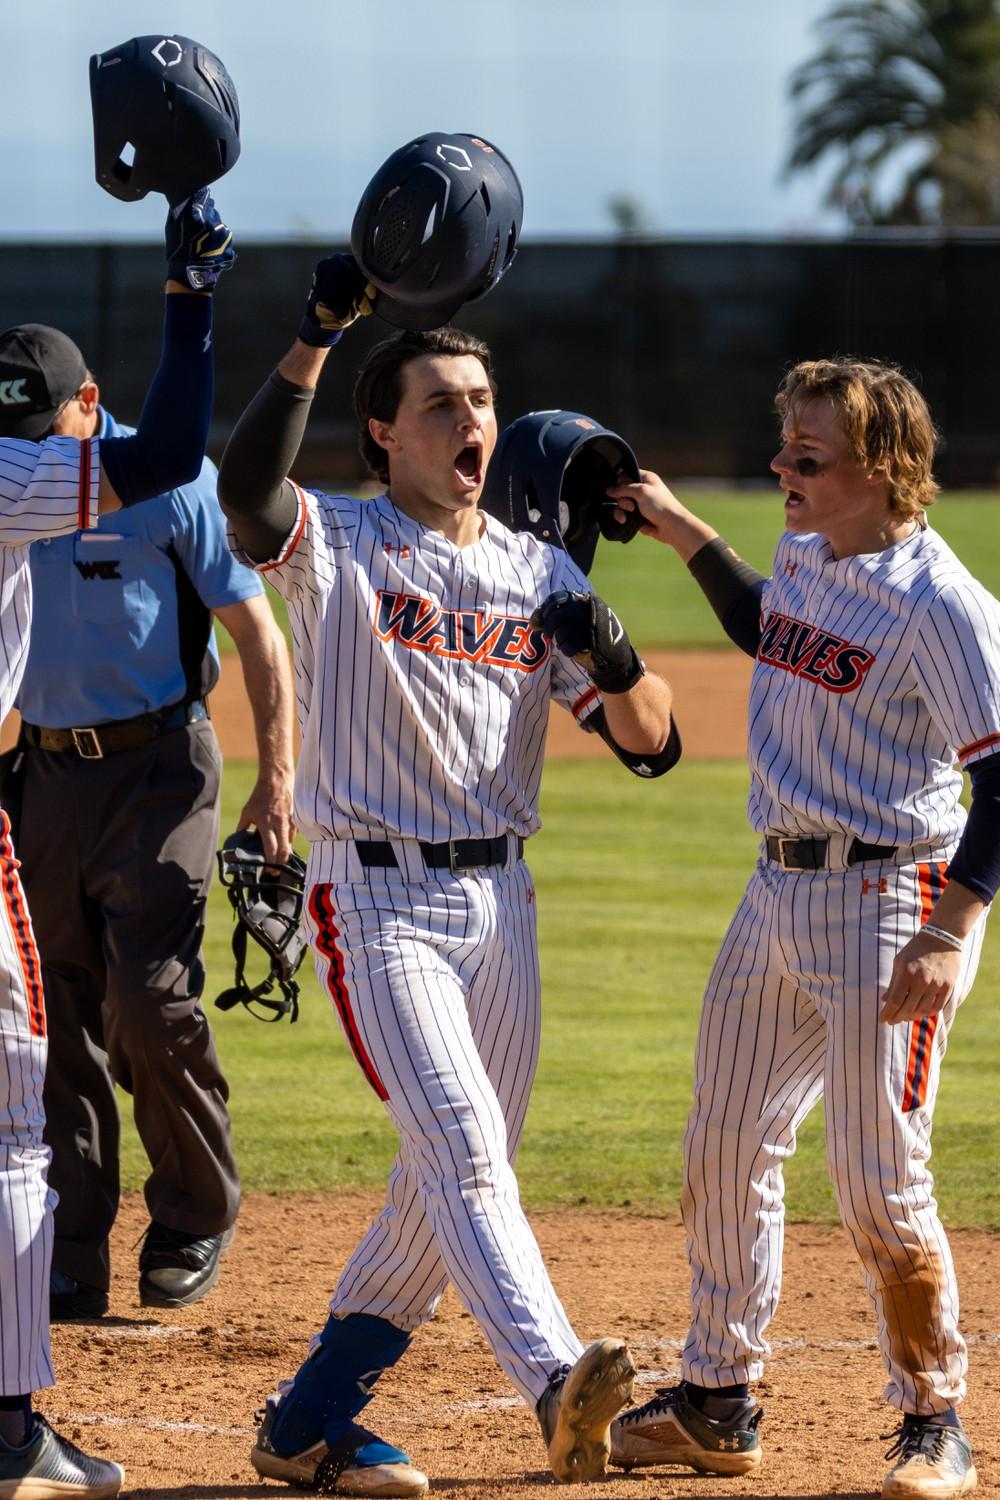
(884, 417)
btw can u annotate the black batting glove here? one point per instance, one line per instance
(199, 245)
(588, 630)
(339, 296)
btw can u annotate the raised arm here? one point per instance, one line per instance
(732, 587)
(169, 443)
(254, 490)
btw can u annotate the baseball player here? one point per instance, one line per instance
(122, 644)
(423, 689)
(877, 669)
(52, 486)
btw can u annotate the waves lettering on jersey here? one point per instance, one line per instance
(793, 646)
(462, 634)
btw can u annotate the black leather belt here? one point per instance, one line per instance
(99, 740)
(811, 853)
(459, 854)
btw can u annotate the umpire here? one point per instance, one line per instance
(120, 775)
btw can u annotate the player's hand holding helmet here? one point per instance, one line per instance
(340, 294)
(199, 245)
(588, 630)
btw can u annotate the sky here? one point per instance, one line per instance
(679, 104)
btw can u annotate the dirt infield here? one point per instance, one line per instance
(170, 1395)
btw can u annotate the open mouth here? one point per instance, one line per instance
(793, 498)
(469, 464)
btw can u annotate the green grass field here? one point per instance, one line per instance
(664, 609)
(635, 884)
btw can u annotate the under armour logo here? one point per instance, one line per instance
(729, 1442)
(531, 895)
(790, 568)
(168, 52)
(106, 568)
(882, 886)
(12, 393)
(400, 551)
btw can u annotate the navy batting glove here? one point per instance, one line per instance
(339, 296)
(588, 630)
(199, 245)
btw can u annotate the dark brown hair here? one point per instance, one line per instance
(884, 417)
(379, 386)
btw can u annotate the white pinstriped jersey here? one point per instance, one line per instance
(422, 691)
(46, 489)
(874, 675)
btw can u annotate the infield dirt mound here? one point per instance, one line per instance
(171, 1394)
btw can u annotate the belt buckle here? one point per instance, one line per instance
(454, 863)
(87, 744)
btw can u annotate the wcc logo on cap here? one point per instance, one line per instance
(40, 369)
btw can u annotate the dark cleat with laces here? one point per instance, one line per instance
(670, 1430)
(932, 1462)
(50, 1467)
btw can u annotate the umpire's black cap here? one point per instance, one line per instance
(40, 369)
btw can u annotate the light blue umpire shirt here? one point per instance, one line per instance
(121, 621)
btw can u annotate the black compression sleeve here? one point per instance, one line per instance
(976, 864)
(733, 589)
(640, 765)
(168, 446)
(253, 489)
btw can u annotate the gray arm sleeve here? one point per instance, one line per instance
(254, 491)
(733, 589)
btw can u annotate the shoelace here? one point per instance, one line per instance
(910, 1440)
(667, 1396)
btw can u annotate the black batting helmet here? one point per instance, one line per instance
(171, 103)
(548, 475)
(437, 226)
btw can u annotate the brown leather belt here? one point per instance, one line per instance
(96, 741)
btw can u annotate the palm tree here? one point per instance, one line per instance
(915, 83)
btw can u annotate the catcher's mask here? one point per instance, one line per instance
(267, 900)
(548, 475)
(437, 226)
(166, 118)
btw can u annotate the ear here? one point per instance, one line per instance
(89, 396)
(383, 434)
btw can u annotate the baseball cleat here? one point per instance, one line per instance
(358, 1463)
(669, 1430)
(50, 1467)
(576, 1411)
(933, 1462)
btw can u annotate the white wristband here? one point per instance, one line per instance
(952, 940)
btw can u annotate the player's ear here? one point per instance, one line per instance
(383, 434)
(89, 396)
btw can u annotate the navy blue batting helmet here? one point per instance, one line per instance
(548, 475)
(437, 226)
(166, 118)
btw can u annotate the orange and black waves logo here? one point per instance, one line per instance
(793, 646)
(461, 634)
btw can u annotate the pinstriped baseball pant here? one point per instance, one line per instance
(790, 1017)
(435, 982)
(26, 1201)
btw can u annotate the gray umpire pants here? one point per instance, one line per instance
(117, 857)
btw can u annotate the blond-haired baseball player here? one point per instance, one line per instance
(877, 676)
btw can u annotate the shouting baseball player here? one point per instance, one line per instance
(423, 692)
(53, 486)
(877, 669)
